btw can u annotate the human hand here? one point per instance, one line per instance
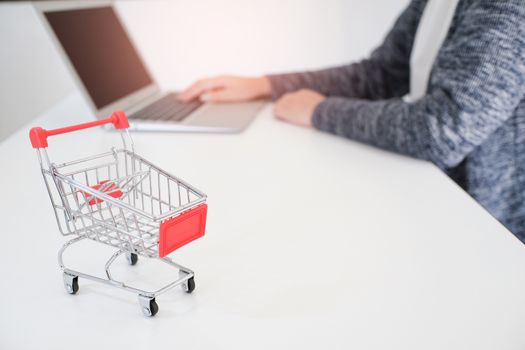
(298, 107)
(227, 88)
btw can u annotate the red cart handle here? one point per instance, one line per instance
(38, 135)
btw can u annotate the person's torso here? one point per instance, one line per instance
(494, 172)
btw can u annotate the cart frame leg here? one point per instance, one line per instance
(145, 297)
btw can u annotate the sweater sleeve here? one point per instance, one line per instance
(476, 83)
(384, 75)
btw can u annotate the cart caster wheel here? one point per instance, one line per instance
(71, 283)
(149, 306)
(189, 285)
(132, 258)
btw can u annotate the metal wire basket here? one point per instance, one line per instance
(120, 199)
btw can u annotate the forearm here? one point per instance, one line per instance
(435, 128)
(366, 79)
(388, 124)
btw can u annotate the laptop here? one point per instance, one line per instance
(110, 73)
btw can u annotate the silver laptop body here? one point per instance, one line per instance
(110, 73)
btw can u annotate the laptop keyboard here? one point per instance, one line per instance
(167, 108)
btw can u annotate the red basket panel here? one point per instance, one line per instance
(182, 229)
(111, 190)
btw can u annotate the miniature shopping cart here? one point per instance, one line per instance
(120, 199)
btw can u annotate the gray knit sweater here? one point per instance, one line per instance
(471, 122)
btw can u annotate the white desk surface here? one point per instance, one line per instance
(313, 242)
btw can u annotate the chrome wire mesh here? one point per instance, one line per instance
(117, 198)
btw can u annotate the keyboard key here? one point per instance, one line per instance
(167, 108)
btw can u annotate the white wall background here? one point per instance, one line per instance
(182, 40)
(32, 77)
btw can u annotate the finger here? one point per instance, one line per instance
(193, 91)
(285, 99)
(275, 111)
(198, 88)
(221, 95)
(187, 94)
(278, 109)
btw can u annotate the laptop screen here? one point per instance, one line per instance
(100, 50)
